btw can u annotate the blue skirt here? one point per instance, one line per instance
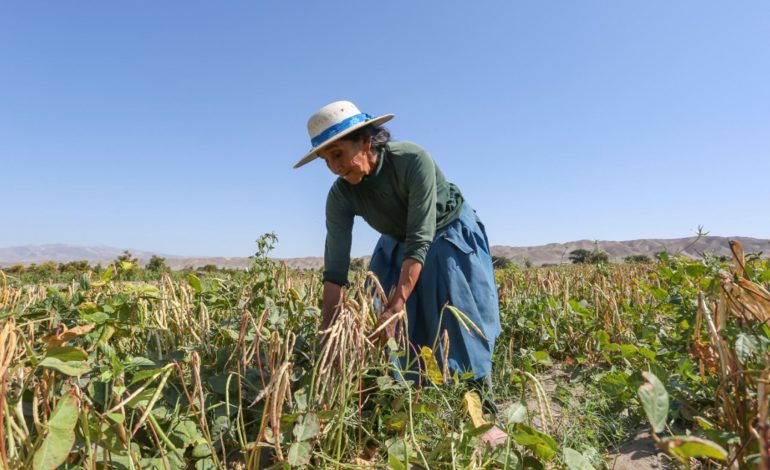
(458, 271)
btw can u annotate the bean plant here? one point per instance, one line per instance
(230, 370)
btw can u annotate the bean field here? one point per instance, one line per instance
(227, 370)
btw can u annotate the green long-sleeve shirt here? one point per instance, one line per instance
(406, 196)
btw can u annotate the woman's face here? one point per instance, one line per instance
(348, 159)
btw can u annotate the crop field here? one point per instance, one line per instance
(227, 370)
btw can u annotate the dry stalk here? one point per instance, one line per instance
(4, 292)
(344, 351)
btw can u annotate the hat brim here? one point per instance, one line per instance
(313, 154)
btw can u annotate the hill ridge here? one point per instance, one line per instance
(551, 253)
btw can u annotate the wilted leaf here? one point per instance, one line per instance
(654, 399)
(307, 428)
(299, 454)
(55, 341)
(397, 421)
(472, 403)
(431, 366)
(60, 434)
(575, 460)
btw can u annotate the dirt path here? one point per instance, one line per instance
(638, 452)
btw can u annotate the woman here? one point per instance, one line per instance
(433, 250)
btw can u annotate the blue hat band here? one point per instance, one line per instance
(343, 125)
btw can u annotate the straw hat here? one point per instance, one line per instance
(333, 121)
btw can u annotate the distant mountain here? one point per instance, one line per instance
(553, 253)
(104, 255)
(692, 247)
(62, 253)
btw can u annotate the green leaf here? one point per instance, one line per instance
(98, 318)
(205, 464)
(185, 433)
(614, 384)
(541, 444)
(73, 369)
(685, 447)
(88, 308)
(201, 450)
(542, 357)
(307, 428)
(194, 282)
(516, 413)
(575, 460)
(398, 455)
(723, 438)
(746, 347)
(107, 274)
(60, 434)
(602, 337)
(67, 354)
(627, 350)
(654, 399)
(138, 361)
(142, 399)
(507, 458)
(695, 270)
(299, 454)
(145, 374)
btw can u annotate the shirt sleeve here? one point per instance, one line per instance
(339, 234)
(421, 211)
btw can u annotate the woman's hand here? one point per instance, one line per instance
(410, 272)
(387, 326)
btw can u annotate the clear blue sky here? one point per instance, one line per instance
(172, 126)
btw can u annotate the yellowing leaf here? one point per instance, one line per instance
(685, 447)
(472, 403)
(431, 366)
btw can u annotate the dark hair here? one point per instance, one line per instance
(380, 136)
